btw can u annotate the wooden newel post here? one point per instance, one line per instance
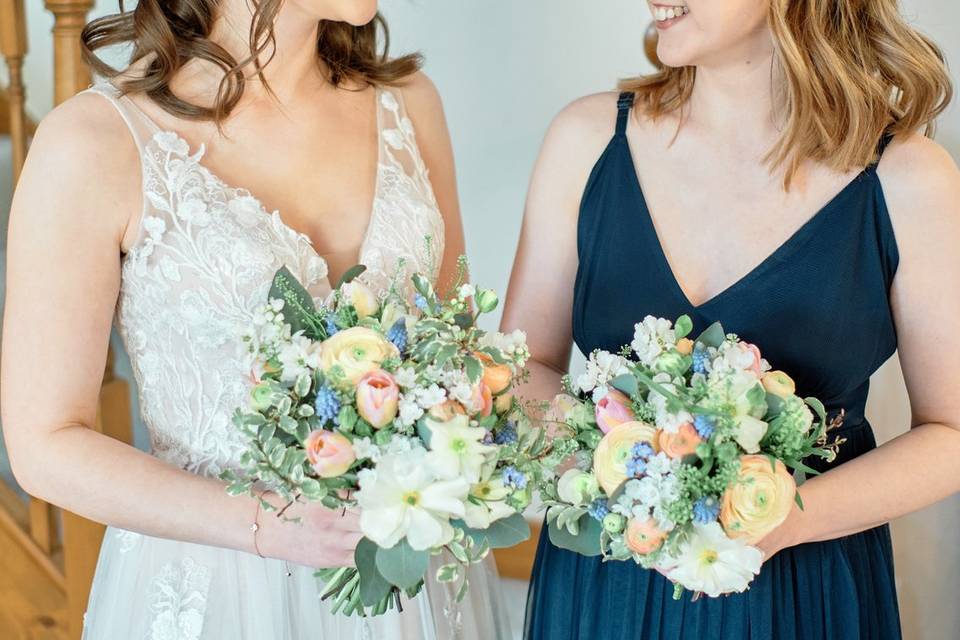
(70, 74)
(13, 47)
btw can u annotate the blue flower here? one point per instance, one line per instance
(598, 509)
(637, 462)
(701, 358)
(421, 302)
(506, 434)
(706, 510)
(327, 405)
(331, 326)
(514, 478)
(704, 425)
(398, 334)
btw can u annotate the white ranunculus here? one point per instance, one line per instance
(402, 498)
(750, 432)
(456, 450)
(577, 487)
(712, 563)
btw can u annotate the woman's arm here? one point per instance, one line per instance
(77, 200)
(425, 109)
(922, 187)
(540, 297)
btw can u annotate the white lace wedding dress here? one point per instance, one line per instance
(204, 260)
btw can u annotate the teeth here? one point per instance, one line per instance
(669, 13)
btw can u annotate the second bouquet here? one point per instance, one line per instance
(682, 455)
(402, 410)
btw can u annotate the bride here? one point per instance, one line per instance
(243, 137)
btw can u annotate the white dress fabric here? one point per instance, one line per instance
(203, 261)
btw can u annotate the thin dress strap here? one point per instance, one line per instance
(624, 105)
(142, 128)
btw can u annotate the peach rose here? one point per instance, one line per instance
(496, 376)
(482, 400)
(377, 398)
(685, 346)
(759, 500)
(613, 409)
(682, 443)
(613, 452)
(330, 454)
(643, 536)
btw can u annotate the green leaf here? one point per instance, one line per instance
(818, 408)
(586, 542)
(351, 274)
(713, 336)
(775, 405)
(401, 565)
(424, 431)
(473, 367)
(373, 586)
(463, 320)
(627, 384)
(683, 327)
(446, 352)
(298, 308)
(501, 533)
(798, 500)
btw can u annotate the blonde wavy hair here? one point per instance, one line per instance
(854, 71)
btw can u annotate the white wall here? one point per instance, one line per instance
(505, 68)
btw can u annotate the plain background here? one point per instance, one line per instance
(504, 69)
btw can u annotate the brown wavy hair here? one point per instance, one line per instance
(176, 31)
(854, 71)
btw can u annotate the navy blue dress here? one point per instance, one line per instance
(819, 309)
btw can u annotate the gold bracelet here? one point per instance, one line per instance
(255, 527)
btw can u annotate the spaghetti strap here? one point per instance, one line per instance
(140, 125)
(624, 105)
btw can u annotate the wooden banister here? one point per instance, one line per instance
(13, 47)
(70, 73)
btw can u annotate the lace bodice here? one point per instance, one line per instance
(205, 258)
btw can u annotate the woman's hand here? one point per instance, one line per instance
(324, 538)
(786, 535)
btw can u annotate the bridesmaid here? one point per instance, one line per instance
(772, 176)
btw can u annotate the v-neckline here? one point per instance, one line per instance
(794, 239)
(196, 154)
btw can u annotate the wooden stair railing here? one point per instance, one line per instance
(68, 555)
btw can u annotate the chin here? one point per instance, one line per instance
(675, 55)
(358, 12)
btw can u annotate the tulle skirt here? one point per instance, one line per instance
(158, 589)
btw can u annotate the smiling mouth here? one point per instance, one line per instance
(665, 14)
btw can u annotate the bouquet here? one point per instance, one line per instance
(404, 411)
(680, 455)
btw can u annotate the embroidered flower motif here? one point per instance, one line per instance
(178, 597)
(389, 101)
(170, 142)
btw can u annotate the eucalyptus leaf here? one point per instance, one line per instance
(627, 384)
(502, 533)
(713, 336)
(401, 565)
(683, 327)
(351, 274)
(373, 586)
(586, 542)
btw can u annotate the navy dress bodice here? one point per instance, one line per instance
(818, 307)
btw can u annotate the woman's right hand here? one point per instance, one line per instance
(323, 539)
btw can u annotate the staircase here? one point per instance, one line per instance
(49, 555)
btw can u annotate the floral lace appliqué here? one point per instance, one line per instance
(178, 597)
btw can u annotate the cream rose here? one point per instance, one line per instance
(759, 500)
(355, 352)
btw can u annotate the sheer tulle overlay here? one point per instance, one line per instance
(203, 262)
